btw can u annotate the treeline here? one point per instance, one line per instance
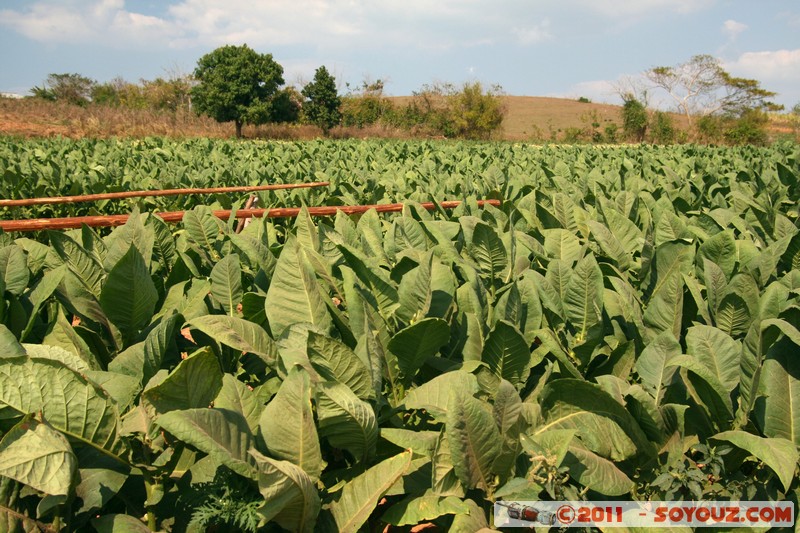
(238, 85)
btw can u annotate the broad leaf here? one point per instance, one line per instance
(653, 364)
(416, 509)
(14, 269)
(475, 442)
(777, 453)
(220, 433)
(417, 343)
(603, 425)
(506, 353)
(434, 395)
(38, 456)
(347, 422)
(238, 333)
(129, 296)
(360, 495)
(195, 382)
(583, 299)
(287, 424)
(67, 400)
(291, 498)
(335, 361)
(294, 296)
(226, 283)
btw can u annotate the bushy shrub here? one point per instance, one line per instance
(749, 128)
(634, 118)
(440, 109)
(366, 106)
(662, 129)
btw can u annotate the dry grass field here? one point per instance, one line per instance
(539, 117)
(527, 118)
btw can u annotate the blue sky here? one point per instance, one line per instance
(565, 48)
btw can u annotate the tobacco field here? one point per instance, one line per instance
(626, 325)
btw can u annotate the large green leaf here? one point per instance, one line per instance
(237, 396)
(562, 245)
(382, 290)
(595, 472)
(717, 351)
(507, 354)
(416, 509)
(38, 456)
(67, 400)
(611, 246)
(414, 292)
(287, 424)
(755, 346)
(203, 228)
(583, 299)
(335, 361)
(226, 283)
(671, 258)
(220, 433)
(653, 364)
(778, 412)
(603, 425)
(475, 442)
(434, 395)
(291, 498)
(14, 269)
(664, 311)
(715, 398)
(144, 359)
(238, 333)
(417, 343)
(129, 296)
(294, 296)
(132, 233)
(9, 346)
(87, 270)
(195, 382)
(777, 453)
(348, 422)
(361, 494)
(488, 251)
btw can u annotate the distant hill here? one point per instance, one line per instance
(542, 118)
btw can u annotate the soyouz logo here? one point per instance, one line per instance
(643, 514)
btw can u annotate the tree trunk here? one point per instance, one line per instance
(238, 129)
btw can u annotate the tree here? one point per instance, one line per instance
(71, 88)
(365, 105)
(477, 113)
(286, 105)
(701, 87)
(237, 84)
(322, 105)
(470, 112)
(634, 118)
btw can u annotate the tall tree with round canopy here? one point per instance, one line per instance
(237, 84)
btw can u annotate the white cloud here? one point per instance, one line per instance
(533, 34)
(106, 22)
(324, 24)
(732, 29)
(775, 65)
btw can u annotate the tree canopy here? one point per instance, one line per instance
(322, 105)
(700, 86)
(236, 83)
